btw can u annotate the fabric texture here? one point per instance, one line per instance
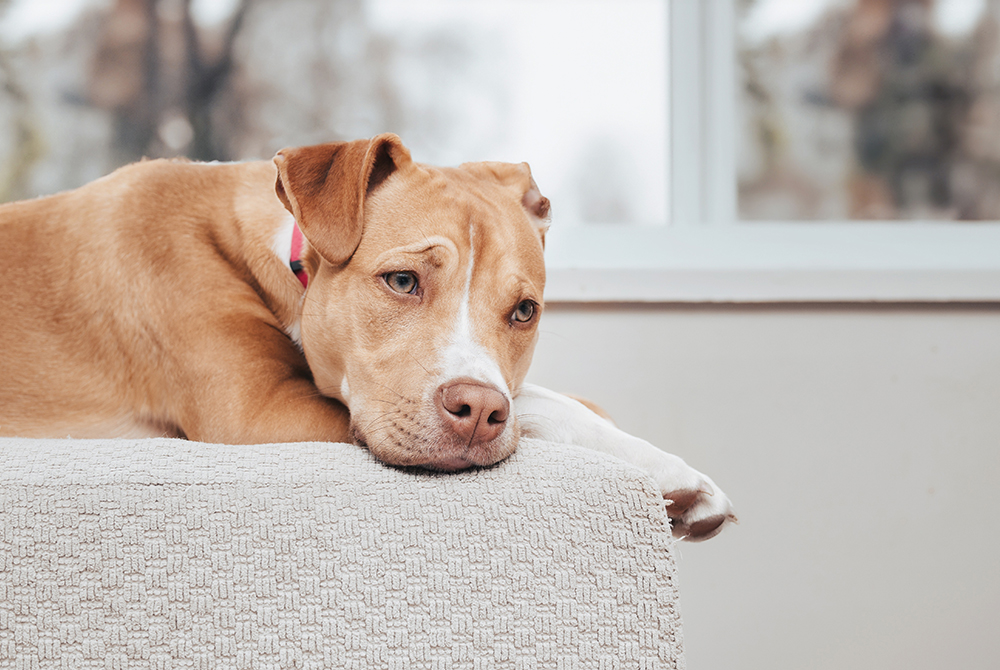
(167, 554)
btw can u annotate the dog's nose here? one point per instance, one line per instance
(475, 412)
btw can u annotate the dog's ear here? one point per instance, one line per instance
(517, 177)
(325, 186)
(536, 204)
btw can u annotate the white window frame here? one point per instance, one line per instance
(705, 255)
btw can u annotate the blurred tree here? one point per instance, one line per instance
(25, 138)
(872, 111)
(159, 78)
(153, 72)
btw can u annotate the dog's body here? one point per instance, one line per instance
(159, 300)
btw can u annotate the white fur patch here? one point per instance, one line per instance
(282, 244)
(282, 247)
(294, 331)
(551, 416)
(463, 356)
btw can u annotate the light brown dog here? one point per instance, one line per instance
(160, 301)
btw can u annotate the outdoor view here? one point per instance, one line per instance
(578, 88)
(869, 109)
(846, 109)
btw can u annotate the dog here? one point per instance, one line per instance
(256, 302)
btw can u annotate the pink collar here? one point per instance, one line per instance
(295, 258)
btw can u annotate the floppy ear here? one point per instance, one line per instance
(324, 187)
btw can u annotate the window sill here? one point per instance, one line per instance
(776, 262)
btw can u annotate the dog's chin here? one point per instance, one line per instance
(357, 437)
(434, 457)
(449, 465)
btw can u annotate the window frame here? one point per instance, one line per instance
(705, 255)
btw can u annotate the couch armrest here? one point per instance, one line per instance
(173, 554)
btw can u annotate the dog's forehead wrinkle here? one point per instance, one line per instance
(428, 249)
(505, 277)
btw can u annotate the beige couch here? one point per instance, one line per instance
(123, 554)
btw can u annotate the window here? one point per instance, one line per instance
(694, 150)
(868, 110)
(725, 243)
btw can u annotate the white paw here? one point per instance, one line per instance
(698, 509)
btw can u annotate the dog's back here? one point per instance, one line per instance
(99, 285)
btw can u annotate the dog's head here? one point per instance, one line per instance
(425, 291)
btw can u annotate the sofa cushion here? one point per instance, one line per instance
(174, 554)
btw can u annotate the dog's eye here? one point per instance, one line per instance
(401, 282)
(524, 312)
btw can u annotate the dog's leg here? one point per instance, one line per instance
(243, 382)
(697, 507)
(285, 411)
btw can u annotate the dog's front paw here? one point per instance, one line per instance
(698, 509)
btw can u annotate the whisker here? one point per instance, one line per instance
(384, 418)
(410, 354)
(310, 394)
(389, 388)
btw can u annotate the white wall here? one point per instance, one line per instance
(861, 447)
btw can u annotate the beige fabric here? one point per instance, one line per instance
(173, 554)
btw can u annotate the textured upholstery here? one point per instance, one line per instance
(164, 553)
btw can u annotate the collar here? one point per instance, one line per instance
(295, 258)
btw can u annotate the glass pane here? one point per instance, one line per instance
(869, 109)
(578, 88)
